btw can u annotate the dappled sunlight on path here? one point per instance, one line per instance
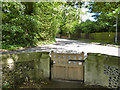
(71, 46)
(75, 46)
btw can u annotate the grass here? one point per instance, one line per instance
(14, 47)
(101, 42)
(10, 47)
(105, 42)
(45, 42)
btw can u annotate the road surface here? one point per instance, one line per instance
(76, 46)
(72, 46)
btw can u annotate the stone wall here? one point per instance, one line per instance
(102, 70)
(18, 68)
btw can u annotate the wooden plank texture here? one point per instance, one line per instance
(67, 66)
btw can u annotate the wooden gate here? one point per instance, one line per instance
(67, 66)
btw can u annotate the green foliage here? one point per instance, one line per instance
(69, 18)
(6, 86)
(107, 15)
(48, 21)
(27, 23)
(30, 25)
(21, 30)
(107, 7)
(25, 28)
(29, 7)
(101, 37)
(11, 34)
(11, 10)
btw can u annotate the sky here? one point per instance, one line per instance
(88, 15)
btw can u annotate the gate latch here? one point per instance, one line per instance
(77, 60)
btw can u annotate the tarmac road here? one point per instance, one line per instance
(71, 46)
(76, 46)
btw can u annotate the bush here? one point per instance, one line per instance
(12, 34)
(22, 30)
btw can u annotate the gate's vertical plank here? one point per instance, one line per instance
(59, 72)
(63, 70)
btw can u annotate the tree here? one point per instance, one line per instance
(11, 10)
(69, 15)
(47, 16)
(27, 23)
(106, 17)
(107, 7)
